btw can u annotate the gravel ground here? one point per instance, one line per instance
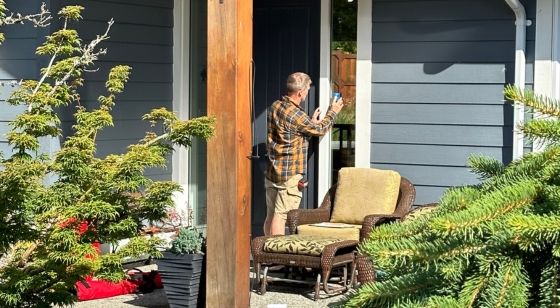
(291, 294)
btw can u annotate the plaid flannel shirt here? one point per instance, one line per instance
(288, 129)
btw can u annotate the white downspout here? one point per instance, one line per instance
(521, 23)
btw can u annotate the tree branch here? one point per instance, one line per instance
(41, 19)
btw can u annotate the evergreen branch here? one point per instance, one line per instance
(535, 231)
(508, 286)
(538, 103)
(473, 287)
(395, 290)
(423, 251)
(528, 168)
(485, 167)
(549, 285)
(442, 301)
(472, 221)
(457, 199)
(539, 130)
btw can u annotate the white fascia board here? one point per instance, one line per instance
(363, 84)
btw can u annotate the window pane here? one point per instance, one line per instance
(197, 166)
(343, 80)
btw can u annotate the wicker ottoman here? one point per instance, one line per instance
(315, 252)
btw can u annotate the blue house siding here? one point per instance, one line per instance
(439, 68)
(141, 37)
(17, 61)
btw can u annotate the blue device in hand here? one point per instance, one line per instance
(336, 95)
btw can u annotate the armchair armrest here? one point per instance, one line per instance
(302, 217)
(370, 221)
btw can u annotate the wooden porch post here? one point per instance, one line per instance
(230, 41)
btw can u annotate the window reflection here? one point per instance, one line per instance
(343, 80)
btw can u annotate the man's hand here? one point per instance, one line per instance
(317, 118)
(337, 105)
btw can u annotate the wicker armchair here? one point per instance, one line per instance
(366, 271)
(407, 193)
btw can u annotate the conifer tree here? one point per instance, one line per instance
(496, 244)
(48, 227)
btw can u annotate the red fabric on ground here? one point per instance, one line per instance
(101, 289)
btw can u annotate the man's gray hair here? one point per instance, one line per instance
(297, 82)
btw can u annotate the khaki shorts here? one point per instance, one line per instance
(282, 197)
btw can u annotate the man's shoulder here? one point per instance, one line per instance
(279, 101)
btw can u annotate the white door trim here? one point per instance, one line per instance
(325, 159)
(363, 84)
(363, 90)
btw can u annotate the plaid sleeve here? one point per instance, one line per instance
(303, 124)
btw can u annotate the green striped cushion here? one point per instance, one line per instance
(298, 244)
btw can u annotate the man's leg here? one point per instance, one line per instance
(267, 225)
(271, 193)
(278, 225)
(288, 197)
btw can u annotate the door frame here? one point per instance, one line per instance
(363, 91)
(181, 95)
(181, 77)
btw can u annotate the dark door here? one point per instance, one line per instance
(285, 40)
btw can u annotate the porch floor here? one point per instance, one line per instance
(294, 295)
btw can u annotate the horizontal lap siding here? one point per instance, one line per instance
(17, 61)
(439, 68)
(142, 37)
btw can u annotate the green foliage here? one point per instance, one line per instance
(344, 20)
(48, 226)
(348, 114)
(189, 240)
(346, 46)
(495, 244)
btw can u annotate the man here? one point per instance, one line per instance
(287, 132)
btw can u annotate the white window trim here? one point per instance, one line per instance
(181, 82)
(547, 50)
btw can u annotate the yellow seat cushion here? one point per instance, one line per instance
(364, 191)
(345, 232)
(298, 244)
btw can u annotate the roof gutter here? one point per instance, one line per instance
(521, 23)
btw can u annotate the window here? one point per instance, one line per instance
(198, 107)
(343, 80)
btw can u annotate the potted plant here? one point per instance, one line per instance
(182, 268)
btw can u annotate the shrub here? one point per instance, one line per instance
(495, 244)
(48, 228)
(189, 240)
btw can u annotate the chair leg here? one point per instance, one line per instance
(366, 272)
(345, 276)
(326, 275)
(317, 287)
(258, 272)
(264, 279)
(353, 274)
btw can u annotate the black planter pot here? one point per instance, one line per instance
(181, 276)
